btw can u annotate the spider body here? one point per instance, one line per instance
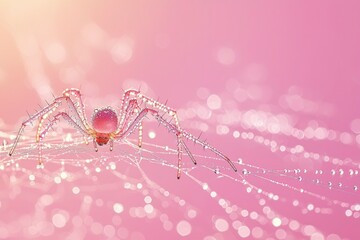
(104, 122)
(107, 125)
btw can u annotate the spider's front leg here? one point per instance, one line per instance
(132, 102)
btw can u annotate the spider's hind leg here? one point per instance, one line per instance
(180, 142)
(179, 133)
(180, 146)
(136, 123)
(205, 145)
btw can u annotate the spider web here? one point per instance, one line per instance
(286, 191)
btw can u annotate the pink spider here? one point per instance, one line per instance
(106, 125)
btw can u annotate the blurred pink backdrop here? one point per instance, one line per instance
(300, 58)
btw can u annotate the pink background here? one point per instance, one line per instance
(276, 58)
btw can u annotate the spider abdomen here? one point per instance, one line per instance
(105, 120)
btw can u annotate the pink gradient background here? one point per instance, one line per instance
(170, 49)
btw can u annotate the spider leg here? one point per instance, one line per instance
(189, 136)
(47, 110)
(211, 148)
(131, 109)
(17, 138)
(135, 123)
(146, 102)
(78, 105)
(176, 126)
(44, 113)
(127, 114)
(40, 161)
(111, 144)
(125, 105)
(95, 145)
(140, 134)
(70, 120)
(49, 126)
(131, 101)
(179, 167)
(78, 108)
(180, 144)
(155, 107)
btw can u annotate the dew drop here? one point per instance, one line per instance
(183, 228)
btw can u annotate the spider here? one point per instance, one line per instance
(106, 125)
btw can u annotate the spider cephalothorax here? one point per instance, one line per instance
(106, 125)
